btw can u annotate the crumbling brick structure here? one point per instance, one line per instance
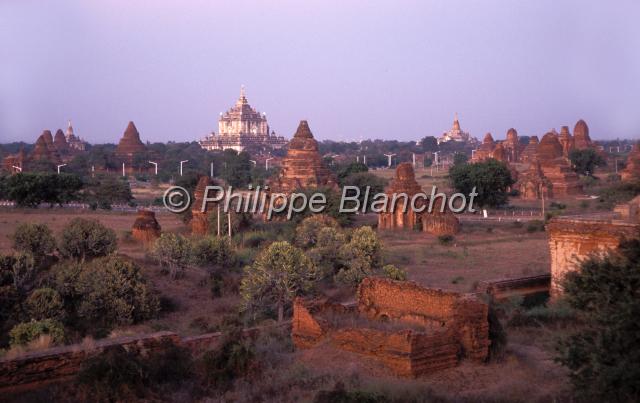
(572, 239)
(503, 289)
(146, 228)
(411, 329)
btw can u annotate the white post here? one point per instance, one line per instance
(389, 157)
(211, 174)
(123, 173)
(266, 163)
(218, 220)
(253, 162)
(181, 163)
(364, 159)
(413, 157)
(229, 222)
(93, 171)
(19, 169)
(60, 166)
(155, 164)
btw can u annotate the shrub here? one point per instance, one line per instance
(18, 269)
(169, 364)
(280, 273)
(446, 239)
(26, 332)
(215, 252)
(174, 252)
(113, 292)
(82, 239)
(535, 225)
(115, 375)
(394, 273)
(35, 239)
(45, 303)
(230, 360)
(255, 239)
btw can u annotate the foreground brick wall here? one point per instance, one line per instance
(428, 329)
(574, 239)
(38, 368)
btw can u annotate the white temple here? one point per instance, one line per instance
(242, 126)
(455, 134)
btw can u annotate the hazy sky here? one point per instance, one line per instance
(392, 70)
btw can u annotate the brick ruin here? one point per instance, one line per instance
(572, 239)
(146, 228)
(397, 218)
(410, 329)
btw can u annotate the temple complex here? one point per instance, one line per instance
(573, 239)
(632, 171)
(454, 134)
(44, 149)
(240, 127)
(60, 143)
(303, 167)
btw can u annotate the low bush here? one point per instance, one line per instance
(26, 332)
(232, 359)
(535, 226)
(446, 239)
(45, 303)
(394, 273)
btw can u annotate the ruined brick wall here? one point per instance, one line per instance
(410, 329)
(524, 286)
(38, 368)
(574, 239)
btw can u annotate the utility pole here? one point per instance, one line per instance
(17, 168)
(181, 163)
(413, 158)
(123, 173)
(60, 166)
(389, 156)
(266, 163)
(156, 166)
(364, 159)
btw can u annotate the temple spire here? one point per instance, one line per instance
(243, 98)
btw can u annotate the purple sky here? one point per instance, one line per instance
(392, 70)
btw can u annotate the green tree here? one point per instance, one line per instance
(214, 252)
(585, 161)
(173, 252)
(18, 268)
(460, 158)
(603, 356)
(394, 273)
(236, 168)
(35, 239)
(491, 180)
(429, 144)
(82, 239)
(361, 256)
(279, 274)
(107, 190)
(342, 171)
(309, 228)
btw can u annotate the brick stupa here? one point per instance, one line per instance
(146, 228)
(44, 149)
(512, 146)
(581, 137)
(485, 151)
(130, 144)
(303, 168)
(60, 142)
(529, 152)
